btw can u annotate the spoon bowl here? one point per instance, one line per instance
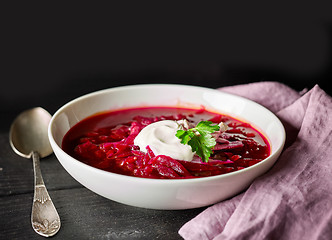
(28, 133)
(28, 138)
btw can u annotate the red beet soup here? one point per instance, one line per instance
(106, 141)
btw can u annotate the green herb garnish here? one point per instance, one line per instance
(199, 138)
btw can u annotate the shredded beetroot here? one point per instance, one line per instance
(112, 148)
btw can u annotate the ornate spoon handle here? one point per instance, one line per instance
(44, 217)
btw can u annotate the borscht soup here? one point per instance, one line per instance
(166, 143)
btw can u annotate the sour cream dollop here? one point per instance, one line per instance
(160, 137)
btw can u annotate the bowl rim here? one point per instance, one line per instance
(163, 181)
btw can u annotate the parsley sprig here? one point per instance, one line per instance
(199, 138)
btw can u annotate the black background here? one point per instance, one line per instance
(54, 53)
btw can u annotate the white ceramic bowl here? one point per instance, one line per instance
(164, 193)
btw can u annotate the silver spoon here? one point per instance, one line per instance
(28, 138)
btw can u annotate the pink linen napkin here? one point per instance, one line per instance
(293, 200)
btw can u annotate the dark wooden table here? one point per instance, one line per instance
(84, 214)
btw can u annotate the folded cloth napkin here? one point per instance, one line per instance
(293, 200)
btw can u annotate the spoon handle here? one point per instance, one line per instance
(44, 217)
